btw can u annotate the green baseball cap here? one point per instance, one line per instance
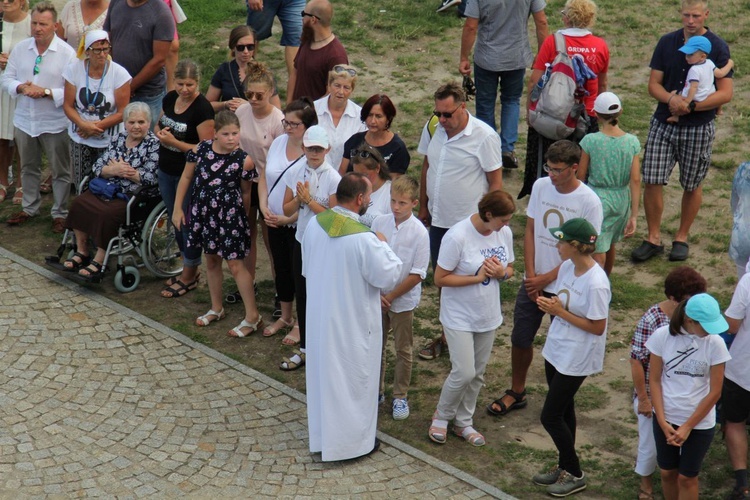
(578, 229)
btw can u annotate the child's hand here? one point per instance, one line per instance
(630, 227)
(178, 218)
(303, 191)
(551, 306)
(385, 304)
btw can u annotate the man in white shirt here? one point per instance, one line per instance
(554, 200)
(34, 77)
(462, 162)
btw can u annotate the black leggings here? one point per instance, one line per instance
(300, 290)
(559, 416)
(281, 240)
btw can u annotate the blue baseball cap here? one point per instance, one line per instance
(705, 310)
(696, 43)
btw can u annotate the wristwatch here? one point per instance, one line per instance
(691, 106)
(47, 93)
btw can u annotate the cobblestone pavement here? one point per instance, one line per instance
(97, 400)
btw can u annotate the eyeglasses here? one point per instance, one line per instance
(305, 14)
(362, 153)
(8, 1)
(444, 114)
(555, 171)
(36, 64)
(257, 96)
(242, 48)
(339, 68)
(286, 123)
(102, 50)
(314, 149)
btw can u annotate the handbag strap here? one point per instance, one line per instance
(282, 173)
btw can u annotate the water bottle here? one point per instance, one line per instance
(537, 90)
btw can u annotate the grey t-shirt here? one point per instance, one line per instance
(503, 35)
(132, 31)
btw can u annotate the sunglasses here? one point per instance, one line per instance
(286, 123)
(36, 64)
(257, 96)
(445, 114)
(362, 153)
(339, 68)
(555, 171)
(103, 50)
(8, 1)
(242, 48)
(305, 14)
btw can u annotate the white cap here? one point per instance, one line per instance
(94, 36)
(607, 103)
(315, 136)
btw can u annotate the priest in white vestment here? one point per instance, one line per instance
(346, 266)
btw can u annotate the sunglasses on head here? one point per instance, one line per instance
(362, 153)
(242, 47)
(340, 68)
(306, 14)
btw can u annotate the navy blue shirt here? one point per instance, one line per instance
(227, 80)
(668, 59)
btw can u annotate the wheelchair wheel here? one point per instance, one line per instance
(159, 249)
(127, 279)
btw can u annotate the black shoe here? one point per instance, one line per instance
(233, 298)
(739, 493)
(276, 307)
(680, 251)
(646, 251)
(509, 160)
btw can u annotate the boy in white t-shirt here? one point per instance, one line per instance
(409, 240)
(699, 83)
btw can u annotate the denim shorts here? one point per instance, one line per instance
(289, 14)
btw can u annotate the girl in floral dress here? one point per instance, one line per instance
(220, 175)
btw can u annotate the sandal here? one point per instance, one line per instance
(46, 186)
(94, 270)
(290, 364)
(438, 432)
(471, 435)
(290, 339)
(18, 196)
(73, 265)
(3, 193)
(182, 288)
(520, 402)
(272, 330)
(645, 495)
(210, 317)
(237, 330)
(171, 281)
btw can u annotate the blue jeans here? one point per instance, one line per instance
(154, 102)
(511, 88)
(191, 256)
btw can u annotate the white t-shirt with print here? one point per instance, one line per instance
(380, 204)
(550, 208)
(686, 372)
(95, 99)
(323, 183)
(571, 350)
(738, 368)
(472, 308)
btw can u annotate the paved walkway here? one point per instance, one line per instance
(98, 400)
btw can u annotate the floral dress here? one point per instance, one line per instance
(217, 221)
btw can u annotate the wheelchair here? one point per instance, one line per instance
(147, 230)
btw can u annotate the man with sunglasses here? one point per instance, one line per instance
(554, 200)
(33, 76)
(320, 50)
(462, 162)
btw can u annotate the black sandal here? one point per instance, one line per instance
(520, 402)
(182, 288)
(95, 272)
(76, 265)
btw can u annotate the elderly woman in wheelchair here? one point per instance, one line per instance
(130, 162)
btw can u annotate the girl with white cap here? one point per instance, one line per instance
(97, 90)
(611, 167)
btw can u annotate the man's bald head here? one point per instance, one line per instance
(323, 10)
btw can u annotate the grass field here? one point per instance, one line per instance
(402, 48)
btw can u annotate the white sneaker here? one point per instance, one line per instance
(400, 409)
(447, 4)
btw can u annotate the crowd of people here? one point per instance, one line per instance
(326, 183)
